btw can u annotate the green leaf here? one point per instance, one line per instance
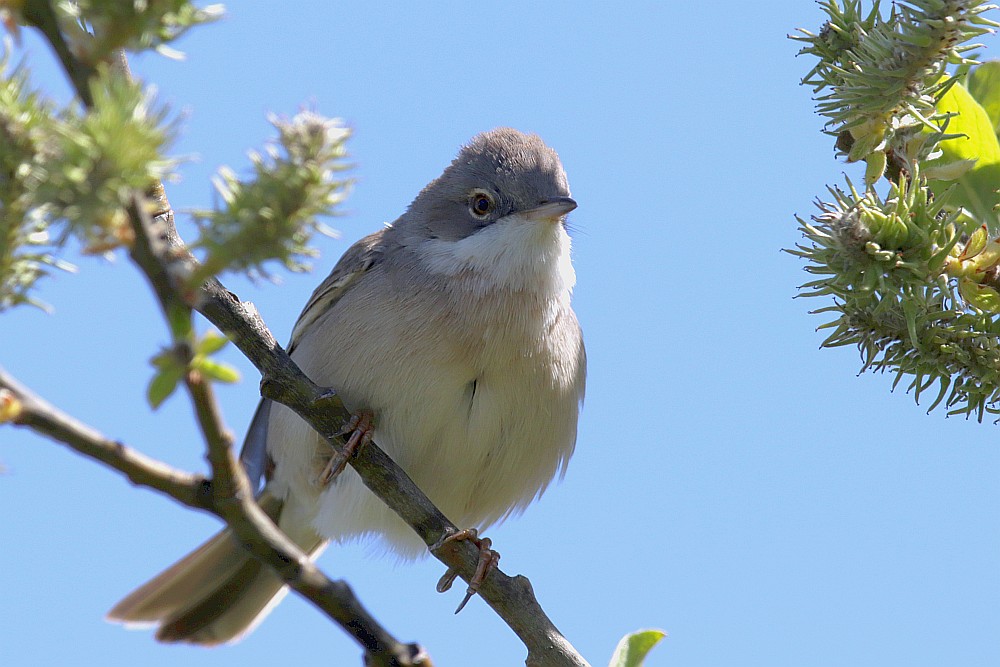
(181, 325)
(977, 188)
(979, 140)
(211, 343)
(163, 385)
(633, 648)
(983, 297)
(215, 370)
(984, 85)
(875, 167)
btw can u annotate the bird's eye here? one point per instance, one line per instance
(481, 203)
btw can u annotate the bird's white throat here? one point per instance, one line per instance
(512, 253)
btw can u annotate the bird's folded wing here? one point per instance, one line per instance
(359, 258)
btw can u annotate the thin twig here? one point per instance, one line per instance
(41, 15)
(37, 414)
(233, 495)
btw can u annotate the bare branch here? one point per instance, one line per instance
(260, 536)
(35, 413)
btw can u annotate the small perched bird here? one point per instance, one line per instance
(452, 330)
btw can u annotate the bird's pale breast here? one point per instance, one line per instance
(481, 423)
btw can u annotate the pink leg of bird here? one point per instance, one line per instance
(488, 559)
(360, 427)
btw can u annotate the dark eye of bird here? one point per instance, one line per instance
(481, 204)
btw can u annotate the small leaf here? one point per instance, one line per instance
(978, 296)
(875, 167)
(211, 343)
(215, 370)
(163, 385)
(951, 171)
(633, 648)
(977, 242)
(181, 326)
(910, 305)
(164, 360)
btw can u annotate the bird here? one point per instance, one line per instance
(452, 329)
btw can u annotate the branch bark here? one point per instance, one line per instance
(28, 409)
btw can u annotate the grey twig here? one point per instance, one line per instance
(30, 410)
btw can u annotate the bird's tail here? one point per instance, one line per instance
(218, 592)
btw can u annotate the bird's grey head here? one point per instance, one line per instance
(499, 173)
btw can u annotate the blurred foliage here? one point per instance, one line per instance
(171, 365)
(100, 157)
(94, 29)
(273, 215)
(26, 255)
(911, 261)
(71, 172)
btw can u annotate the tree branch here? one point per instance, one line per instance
(29, 409)
(41, 15)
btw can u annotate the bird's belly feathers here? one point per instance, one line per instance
(482, 429)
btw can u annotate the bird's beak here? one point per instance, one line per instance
(550, 210)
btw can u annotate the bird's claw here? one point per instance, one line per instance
(360, 426)
(488, 559)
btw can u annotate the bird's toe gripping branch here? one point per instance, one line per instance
(361, 427)
(488, 559)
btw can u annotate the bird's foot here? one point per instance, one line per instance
(360, 426)
(488, 560)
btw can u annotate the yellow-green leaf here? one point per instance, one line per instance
(979, 141)
(163, 385)
(211, 343)
(633, 648)
(976, 244)
(215, 370)
(984, 85)
(977, 188)
(874, 167)
(979, 296)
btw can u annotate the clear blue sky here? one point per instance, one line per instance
(733, 484)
